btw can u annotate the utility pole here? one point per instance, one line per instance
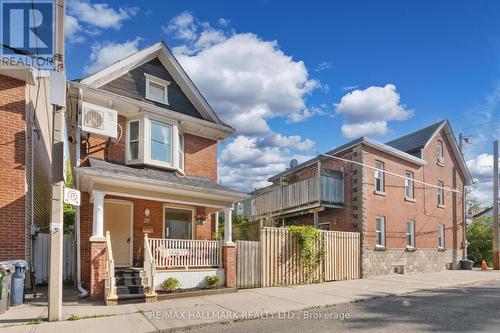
(464, 202)
(496, 247)
(56, 219)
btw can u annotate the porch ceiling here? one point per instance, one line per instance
(156, 184)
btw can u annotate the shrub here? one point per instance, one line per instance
(212, 282)
(170, 284)
(480, 238)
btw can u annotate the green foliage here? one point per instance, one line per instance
(212, 282)
(239, 219)
(480, 238)
(68, 210)
(170, 284)
(310, 245)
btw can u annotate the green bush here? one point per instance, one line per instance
(170, 284)
(480, 238)
(212, 282)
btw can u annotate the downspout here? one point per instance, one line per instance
(83, 293)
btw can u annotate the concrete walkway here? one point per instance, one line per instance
(245, 304)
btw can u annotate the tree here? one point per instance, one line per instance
(480, 238)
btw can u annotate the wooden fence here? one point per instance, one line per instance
(248, 264)
(41, 257)
(280, 263)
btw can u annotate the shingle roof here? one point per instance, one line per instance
(151, 174)
(412, 142)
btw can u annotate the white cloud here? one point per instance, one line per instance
(481, 169)
(246, 163)
(72, 29)
(246, 79)
(105, 53)
(100, 15)
(183, 26)
(323, 66)
(366, 112)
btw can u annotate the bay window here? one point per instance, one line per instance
(155, 141)
(160, 142)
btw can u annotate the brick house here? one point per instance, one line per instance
(144, 152)
(405, 197)
(25, 141)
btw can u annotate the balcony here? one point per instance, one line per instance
(325, 190)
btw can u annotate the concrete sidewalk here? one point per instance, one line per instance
(245, 304)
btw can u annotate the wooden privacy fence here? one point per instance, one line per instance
(280, 264)
(248, 264)
(41, 257)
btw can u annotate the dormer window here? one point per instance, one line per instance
(156, 89)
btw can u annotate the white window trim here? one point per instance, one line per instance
(140, 156)
(164, 83)
(382, 231)
(440, 194)
(441, 236)
(409, 179)
(382, 179)
(145, 143)
(440, 152)
(193, 224)
(181, 152)
(412, 234)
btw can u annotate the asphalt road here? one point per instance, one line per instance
(474, 308)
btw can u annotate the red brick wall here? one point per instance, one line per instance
(98, 271)
(106, 149)
(201, 157)
(424, 210)
(12, 169)
(229, 262)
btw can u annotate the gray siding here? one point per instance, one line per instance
(133, 85)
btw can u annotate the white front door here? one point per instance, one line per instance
(118, 221)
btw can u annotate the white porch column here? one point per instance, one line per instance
(216, 222)
(98, 220)
(228, 225)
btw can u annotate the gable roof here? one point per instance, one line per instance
(163, 53)
(361, 140)
(415, 141)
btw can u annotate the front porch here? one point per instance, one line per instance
(136, 234)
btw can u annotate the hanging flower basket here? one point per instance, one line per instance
(200, 218)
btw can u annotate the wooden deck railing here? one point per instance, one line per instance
(183, 253)
(149, 266)
(314, 190)
(110, 286)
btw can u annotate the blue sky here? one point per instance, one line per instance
(405, 64)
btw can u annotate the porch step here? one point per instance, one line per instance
(129, 287)
(128, 281)
(130, 290)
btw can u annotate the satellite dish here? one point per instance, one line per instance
(293, 163)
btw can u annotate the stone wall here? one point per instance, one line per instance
(382, 262)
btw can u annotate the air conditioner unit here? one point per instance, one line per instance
(99, 120)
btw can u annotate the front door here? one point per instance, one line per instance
(117, 220)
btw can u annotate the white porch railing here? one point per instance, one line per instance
(177, 253)
(149, 267)
(110, 286)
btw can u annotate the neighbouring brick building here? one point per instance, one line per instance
(405, 197)
(25, 124)
(144, 152)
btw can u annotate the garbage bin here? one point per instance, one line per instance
(6, 271)
(17, 282)
(466, 264)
